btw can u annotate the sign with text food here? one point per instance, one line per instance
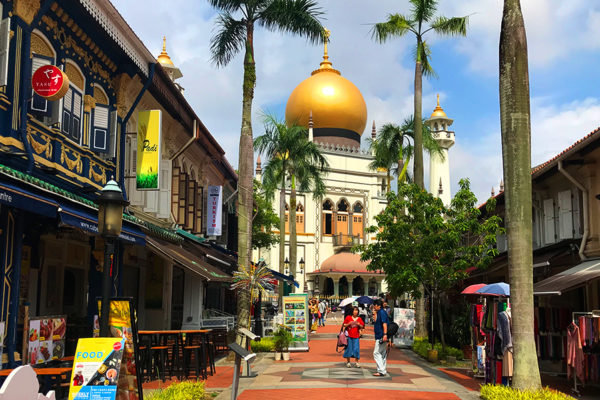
(50, 82)
(148, 149)
(295, 315)
(96, 369)
(215, 209)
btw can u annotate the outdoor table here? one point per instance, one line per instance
(52, 378)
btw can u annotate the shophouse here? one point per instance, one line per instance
(56, 155)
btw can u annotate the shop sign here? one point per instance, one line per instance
(295, 315)
(46, 339)
(215, 210)
(50, 82)
(96, 369)
(148, 149)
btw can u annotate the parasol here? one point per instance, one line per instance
(473, 288)
(364, 300)
(347, 300)
(495, 289)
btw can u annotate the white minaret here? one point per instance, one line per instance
(439, 167)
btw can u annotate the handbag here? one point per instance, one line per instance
(342, 340)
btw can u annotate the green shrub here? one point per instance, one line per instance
(497, 392)
(181, 391)
(265, 345)
(282, 339)
(421, 346)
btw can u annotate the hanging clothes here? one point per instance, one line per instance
(575, 352)
(504, 332)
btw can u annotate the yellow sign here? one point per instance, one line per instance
(148, 149)
(96, 369)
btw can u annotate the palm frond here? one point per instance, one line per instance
(455, 26)
(423, 10)
(422, 53)
(396, 26)
(228, 6)
(229, 39)
(299, 17)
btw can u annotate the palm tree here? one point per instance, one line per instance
(516, 160)
(394, 145)
(291, 158)
(235, 32)
(422, 13)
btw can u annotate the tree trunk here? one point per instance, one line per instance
(281, 240)
(441, 322)
(293, 237)
(516, 157)
(420, 317)
(246, 162)
(389, 180)
(418, 156)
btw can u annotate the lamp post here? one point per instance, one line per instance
(302, 263)
(286, 272)
(110, 220)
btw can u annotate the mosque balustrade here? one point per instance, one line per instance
(344, 240)
(52, 151)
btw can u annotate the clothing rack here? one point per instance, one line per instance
(578, 314)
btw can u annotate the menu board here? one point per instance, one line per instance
(295, 315)
(405, 318)
(46, 339)
(96, 369)
(123, 324)
(1, 341)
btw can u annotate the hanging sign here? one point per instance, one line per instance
(215, 210)
(50, 82)
(96, 369)
(148, 149)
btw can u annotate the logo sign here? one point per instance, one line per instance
(50, 82)
(148, 149)
(215, 209)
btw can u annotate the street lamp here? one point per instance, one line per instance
(110, 220)
(286, 264)
(302, 263)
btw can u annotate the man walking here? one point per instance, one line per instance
(322, 312)
(381, 341)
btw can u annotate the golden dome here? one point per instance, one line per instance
(335, 102)
(163, 57)
(438, 111)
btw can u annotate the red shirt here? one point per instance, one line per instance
(353, 330)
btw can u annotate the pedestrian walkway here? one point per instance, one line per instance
(321, 373)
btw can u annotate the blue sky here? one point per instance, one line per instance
(564, 51)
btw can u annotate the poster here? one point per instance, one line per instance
(295, 315)
(34, 341)
(96, 369)
(215, 209)
(148, 149)
(405, 318)
(1, 341)
(123, 324)
(46, 339)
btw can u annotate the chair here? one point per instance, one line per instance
(196, 347)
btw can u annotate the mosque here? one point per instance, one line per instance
(335, 113)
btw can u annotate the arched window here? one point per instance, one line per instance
(42, 53)
(72, 108)
(357, 219)
(287, 218)
(343, 206)
(100, 138)
(327, 217)
(300, 218)
(341, 223)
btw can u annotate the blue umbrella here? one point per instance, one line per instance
(495, 289)
(364, 300)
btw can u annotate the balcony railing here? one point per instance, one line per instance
(343, 240)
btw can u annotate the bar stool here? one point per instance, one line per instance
(145, 366)
(160, 357)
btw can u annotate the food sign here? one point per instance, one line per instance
(96, 369)
(46, 339)
(50, 82)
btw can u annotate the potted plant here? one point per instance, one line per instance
(282, 339)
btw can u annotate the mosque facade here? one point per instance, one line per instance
(334, 111)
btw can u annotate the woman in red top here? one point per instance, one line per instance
(353, 324)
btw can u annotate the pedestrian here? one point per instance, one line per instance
(314, 309)
(388, 310)
(322, 310)
(362, 312)
(353, 324)
(348, 310)
(381, 341)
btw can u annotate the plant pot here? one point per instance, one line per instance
(286, 356)
(432, 355)
(467, 352)
(277, 356)
(451, 360)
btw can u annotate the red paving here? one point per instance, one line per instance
(342, 394)
(464, 380)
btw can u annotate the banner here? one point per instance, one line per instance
(295, 315)
(96, 369)
(148, 149)
(123, 324)
(405, 318)
(215, 210)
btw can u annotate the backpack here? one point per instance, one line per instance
(392, 329)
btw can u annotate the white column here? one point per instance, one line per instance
(336, 286)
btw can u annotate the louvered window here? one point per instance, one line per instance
(72, 109)
(100, 129)
(39, 106)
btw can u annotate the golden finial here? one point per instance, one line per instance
(438, 111)
(163, 57)
(326, 35)
(165, 50)
(326, 64)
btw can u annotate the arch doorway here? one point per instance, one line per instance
(373, 287)
(358, 286)
(343, 286)
(328, 289)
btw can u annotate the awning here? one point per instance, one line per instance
(87, 220)
(25, 200)
(282, 277)
(186, 259)
(568, 279)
